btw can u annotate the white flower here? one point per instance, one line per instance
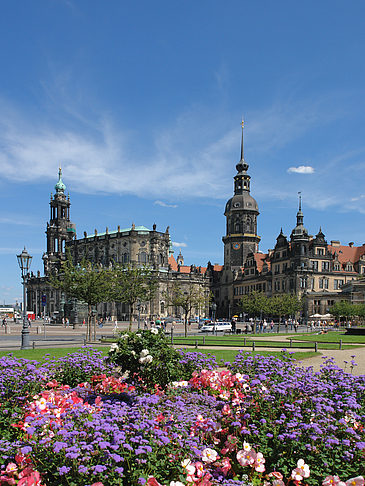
(113, 348)
(144, 352)
(176, 483)
(124, 336)
(246, 446)
(146, 359)
(209, 455)
(177, 384)
(138, 335)
(133, 353)
(189, 468)
(301, 471)
(154, 330)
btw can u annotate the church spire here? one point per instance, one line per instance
(60, 186)
(242, 125)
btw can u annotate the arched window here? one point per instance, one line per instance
(161, 259)
(125, 258)
(142, 257)
(162, 307)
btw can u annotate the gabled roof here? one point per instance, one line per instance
(347, 253)
(260, 259)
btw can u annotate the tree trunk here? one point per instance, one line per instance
(130, 316)
(88, 329)
(186, 324)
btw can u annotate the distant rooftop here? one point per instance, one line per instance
(140, 229)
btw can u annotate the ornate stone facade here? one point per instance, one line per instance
(136, 245)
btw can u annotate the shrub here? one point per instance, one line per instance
(147, 357)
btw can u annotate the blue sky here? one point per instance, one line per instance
(141, 104)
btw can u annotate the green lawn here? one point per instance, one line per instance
(239, 341)
(332, 336)
(38, 354)
(229, 355)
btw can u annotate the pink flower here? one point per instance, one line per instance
(301, 471)
(209, 455)
(151, 481)
(188, 466)
(97, 484)
(333, 480)
(246, 458)
(11, 468)
(358, 481)
(259, 462)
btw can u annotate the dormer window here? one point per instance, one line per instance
(320, 251)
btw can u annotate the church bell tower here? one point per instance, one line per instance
(59, 228)
(241, 219)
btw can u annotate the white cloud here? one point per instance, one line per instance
(362, 196)
(176, 244)
(301, 169)
(165, 205)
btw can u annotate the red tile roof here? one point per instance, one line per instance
(347, 253)
(260, 259)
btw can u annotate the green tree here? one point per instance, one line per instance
(285, 305)
(255, 304)
(345, 309)
(188, 297)
(132, 284)
(86, 282)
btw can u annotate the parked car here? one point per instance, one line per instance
(216, 327)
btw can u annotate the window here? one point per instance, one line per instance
(162, 307)
(125, 258)
(142, 257)
(325, 266)
(315, 265)
(283, 285)
(326, 282)
(320, 251)
(321, 283)
(303, 282)
(277, 269)
(336, 267)
(337, 284)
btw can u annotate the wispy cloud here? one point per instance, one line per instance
(165, 205)
(301, 169)
(358, 198)
(178, 245)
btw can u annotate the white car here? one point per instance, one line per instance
(216, 327)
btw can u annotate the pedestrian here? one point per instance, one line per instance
(265, 325)
(83, 322)
(115, 326)
(67, 322)
(4, 322)
(29, 322)
(272, 325)
(145, 324)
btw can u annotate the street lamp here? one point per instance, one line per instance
(24, 260)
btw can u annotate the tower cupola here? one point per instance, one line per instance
(60, 186)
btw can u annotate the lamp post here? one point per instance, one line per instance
(24, 260)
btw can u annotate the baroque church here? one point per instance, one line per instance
(302, 264)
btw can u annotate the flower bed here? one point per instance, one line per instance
(263, 421)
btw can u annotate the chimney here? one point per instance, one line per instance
(335, 243)
(351, 244)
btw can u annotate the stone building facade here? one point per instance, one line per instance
(301, 264)
(304, 265)
(136, 245)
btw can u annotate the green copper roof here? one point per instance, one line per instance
(60, 186)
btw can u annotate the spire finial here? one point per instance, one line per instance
(60, 186)
(242, 125)
(300, 200)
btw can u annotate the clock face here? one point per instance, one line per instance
(236, 246)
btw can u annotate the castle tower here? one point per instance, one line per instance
(59, 228)
(241, 219)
